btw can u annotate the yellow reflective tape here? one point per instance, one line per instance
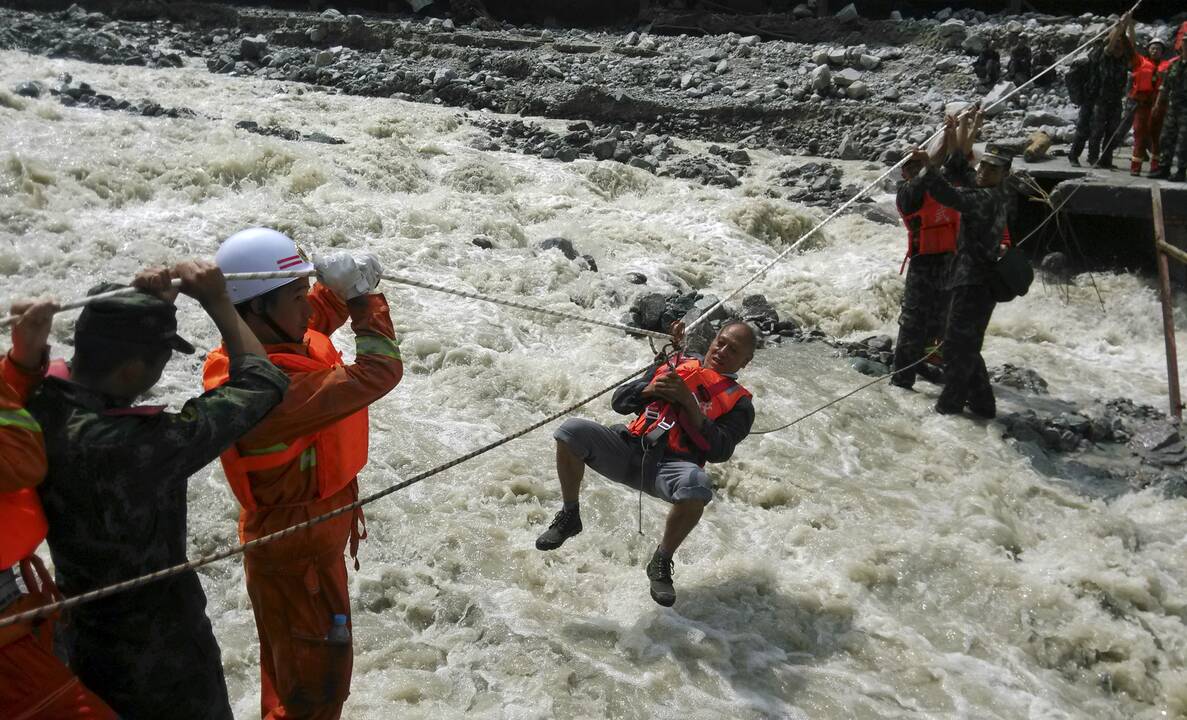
(19, 418)
(309, 459)
(377, 345)
(279, 447)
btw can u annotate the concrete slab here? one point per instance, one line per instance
(1116, 193)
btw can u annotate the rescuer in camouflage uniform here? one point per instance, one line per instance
(115, 493)
(1174, 127)
(983, 207)
(1099, 119)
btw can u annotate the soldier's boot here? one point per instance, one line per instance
(1162, 173)
(1106, 162)
(1180, 176)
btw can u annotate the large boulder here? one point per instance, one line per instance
(565, 245)
(757, 311)
(822, 79)
(992, 103)
(253, 48)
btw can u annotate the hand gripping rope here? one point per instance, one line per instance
(240, 549)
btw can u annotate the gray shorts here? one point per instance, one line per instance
(614, 457)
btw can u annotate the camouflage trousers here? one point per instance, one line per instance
(923, 315)
(1174, 137)
(1097, 125)
(151, 654)
(966, 381)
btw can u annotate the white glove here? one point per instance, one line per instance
(339, 272)
(370, 270)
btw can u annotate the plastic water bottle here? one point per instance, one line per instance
(339, 633)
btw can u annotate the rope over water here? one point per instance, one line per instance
(188, 566)
(281, 534)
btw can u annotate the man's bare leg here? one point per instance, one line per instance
(682, 518)
(570, 469)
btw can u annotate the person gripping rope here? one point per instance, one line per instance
(1100, 112)
(983, 207)
(687, 415)
(115, 491)
(1145, 78)
(34, 684)
(303, 460)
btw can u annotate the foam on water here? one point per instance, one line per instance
(875, 561)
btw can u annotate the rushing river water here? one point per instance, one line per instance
(876, 561)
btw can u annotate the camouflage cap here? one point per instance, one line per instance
(137, 318)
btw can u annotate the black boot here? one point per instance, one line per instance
(1162, 173)
(1180, 176)
(659, 572)
(565, 525)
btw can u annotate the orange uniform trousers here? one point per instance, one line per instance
(35, 685)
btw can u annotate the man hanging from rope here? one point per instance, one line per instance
(115, 492)
(303, 460)
(33, 682)
(687, 415)
(983, 207)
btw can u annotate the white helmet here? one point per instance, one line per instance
(258, 250)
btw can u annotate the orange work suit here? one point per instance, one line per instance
(34, 685)
(1147, 119)
(298, 584)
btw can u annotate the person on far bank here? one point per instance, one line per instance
(983, 208)
(1099, 121)
(115, 494)
(1171, 107)
(304, 460)
(686, 416)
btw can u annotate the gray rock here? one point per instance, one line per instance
(1039, 118)
(29, 88)
(948, 64)
(442, 77)
(870, 62)
(749, 41)
(952, 32)
(324, 58)
(848, 13)
(590, 263)
(687, 80)
(317, 33)
(722, 67)
(632, 38)
(846, 77)
(354, 21)
(642, 164)
(647, 311)
(697, 339)
(802, 12)
(565, 245)
(991, 103)
(483, 242)
(253, 48)
(858, 90)
(1019, 378)
(636, 278)
(739, 157)
(757, 311)
(896, 16)
(447, 25)
(848, 149)
(603, 149)
(974, 44)
(822, 78)
(331, 14)
(944, 14)
(869, 367)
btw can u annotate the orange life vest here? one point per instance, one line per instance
(716, 393)
(936, 230)
(24, 526)
(1145, 78)
(337, 453)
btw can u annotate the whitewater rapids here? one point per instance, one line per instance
(876, 561)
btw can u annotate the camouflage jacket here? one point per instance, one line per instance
(115, 493)
(1175, 83)
(983, 218)
(1109, 75)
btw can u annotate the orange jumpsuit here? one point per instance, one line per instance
(298, 584)
(33, 683)
(1147, 120)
